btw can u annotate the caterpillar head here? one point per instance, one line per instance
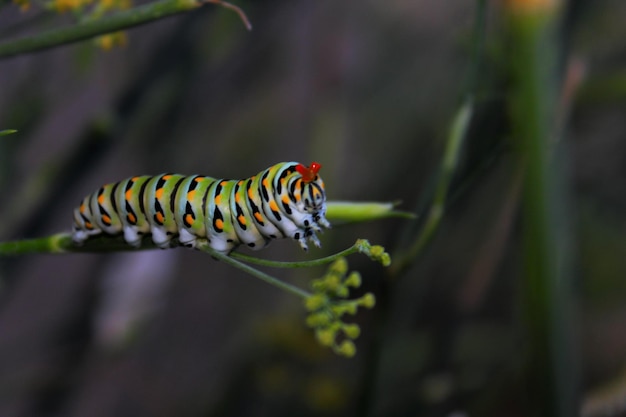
(313, 196)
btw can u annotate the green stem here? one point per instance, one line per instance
(448, 165)
(551, 365)
(62, 243)
(58, 243)
(478, 44)
(122, 20)
(255, 272)
(300, 264)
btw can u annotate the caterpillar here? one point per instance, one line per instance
(285, 200)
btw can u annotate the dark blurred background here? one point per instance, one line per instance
(368, 89)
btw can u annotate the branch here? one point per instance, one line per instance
(458, 132)
(119, 21)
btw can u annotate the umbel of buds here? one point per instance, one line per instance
(328, 304)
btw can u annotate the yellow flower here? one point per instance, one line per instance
(111, 40)
(24, 4)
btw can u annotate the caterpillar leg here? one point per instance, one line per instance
(320, 220)
(303, 245)
(187, 239)
(301, 238)
(132, 236)
(315, 240)
(160, 237)
(79, 236)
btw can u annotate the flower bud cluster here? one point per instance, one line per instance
(328, 304)
(374, 252)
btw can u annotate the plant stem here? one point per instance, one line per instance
(255, 272)
(551, 366)
(50, 244)
(81, 31)
(62, 243)
(300, 264)
(448, 165)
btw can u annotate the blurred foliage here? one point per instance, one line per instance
(369, 90)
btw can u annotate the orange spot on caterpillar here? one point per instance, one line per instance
(223, 183)
(106, 220)
(241, 219)
(265, 183)
(131, 218)
(250, 194)
(88, 225)
(159, 193)
(189, 219)
(286, 199)
(218, 199)
(159, 217)
(82, 208)
(198, 179)
(129, 194)
(259, 217)
(237, 198)
(166, 177)
(101, 199)
(273, 205)
(219, 224)
(133, 179)
(191, 194)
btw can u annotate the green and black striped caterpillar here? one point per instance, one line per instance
(284, 200)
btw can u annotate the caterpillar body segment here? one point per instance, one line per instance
(284, 200)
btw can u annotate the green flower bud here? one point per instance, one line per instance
(332, 281)
(351, 330)
(349, 307)
(320, 319)
(363, 245)
(347, 349)
(326, 337)
(368, 300)
(315, 302)
(318, 285)
(342, 292)
(353, 280)
(339, 267)
(377, 253)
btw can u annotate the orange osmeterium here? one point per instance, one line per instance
(309, 173)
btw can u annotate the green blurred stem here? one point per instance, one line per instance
(301, 264)
(549, 358)
(255, 272)
(50, 244)
(7, 132)
(62, 243)
(478, 44)
(349, 211)
(123, 20)
(451, 154)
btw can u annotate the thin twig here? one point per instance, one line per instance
(122, 20)
(448, 165)
(254, 272)
(299, 264)
(236, 9)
